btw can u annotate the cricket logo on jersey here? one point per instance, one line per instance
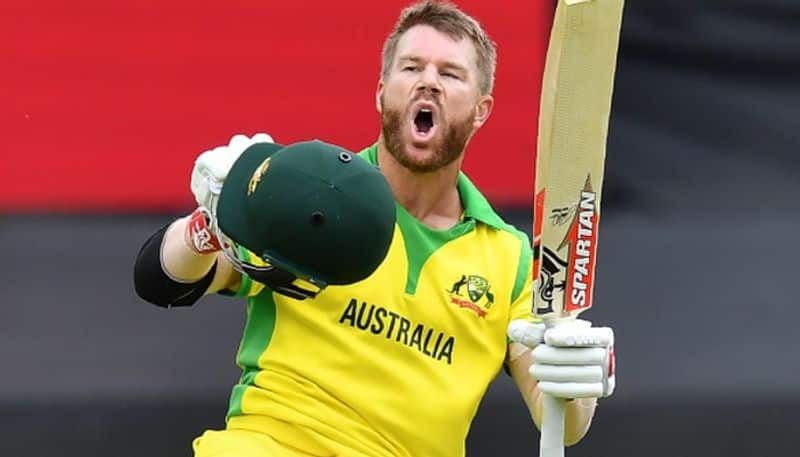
(472, 292)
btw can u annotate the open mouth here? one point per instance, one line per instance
(423, 121)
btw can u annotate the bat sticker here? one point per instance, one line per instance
(552, 277)
(560, 216)
(582, 240)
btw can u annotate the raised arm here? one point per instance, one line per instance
(575, 362)
(182, 261)
(579, 413)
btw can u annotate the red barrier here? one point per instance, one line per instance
(104, 105)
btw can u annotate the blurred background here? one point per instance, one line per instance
(105, 105)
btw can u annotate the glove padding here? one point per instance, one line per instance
(212, 167)
(200, 236)
(570, 360)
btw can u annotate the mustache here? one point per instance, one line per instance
(427, 95)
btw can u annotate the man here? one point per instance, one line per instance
(395, 364)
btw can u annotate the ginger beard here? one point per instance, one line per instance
(446, 144)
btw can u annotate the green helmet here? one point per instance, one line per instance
(308, 210)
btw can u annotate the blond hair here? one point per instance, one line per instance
(448, 19)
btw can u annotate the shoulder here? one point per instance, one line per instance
(509, 244)
(477, 207)
(510, 240)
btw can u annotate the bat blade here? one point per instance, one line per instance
(573, 127)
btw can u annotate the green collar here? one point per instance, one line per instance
(475, 204)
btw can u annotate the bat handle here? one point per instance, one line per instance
(551, 443)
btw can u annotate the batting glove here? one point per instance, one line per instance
(200, 235)
(212, 167)
(570, 360)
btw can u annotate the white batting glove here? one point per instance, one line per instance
(212, 167)
(570, 360)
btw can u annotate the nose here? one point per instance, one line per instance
(429, 79)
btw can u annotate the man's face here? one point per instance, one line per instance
(429, 103)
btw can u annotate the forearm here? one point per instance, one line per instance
(184, 264)
(180, 261)
(577, 416)
(579, 412)
(168, 272)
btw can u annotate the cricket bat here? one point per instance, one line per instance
(571, 147)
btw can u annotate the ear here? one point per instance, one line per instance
(482, 110)
(378, 94)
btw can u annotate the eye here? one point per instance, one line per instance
(410, 68)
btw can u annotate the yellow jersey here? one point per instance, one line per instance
(394, 365)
